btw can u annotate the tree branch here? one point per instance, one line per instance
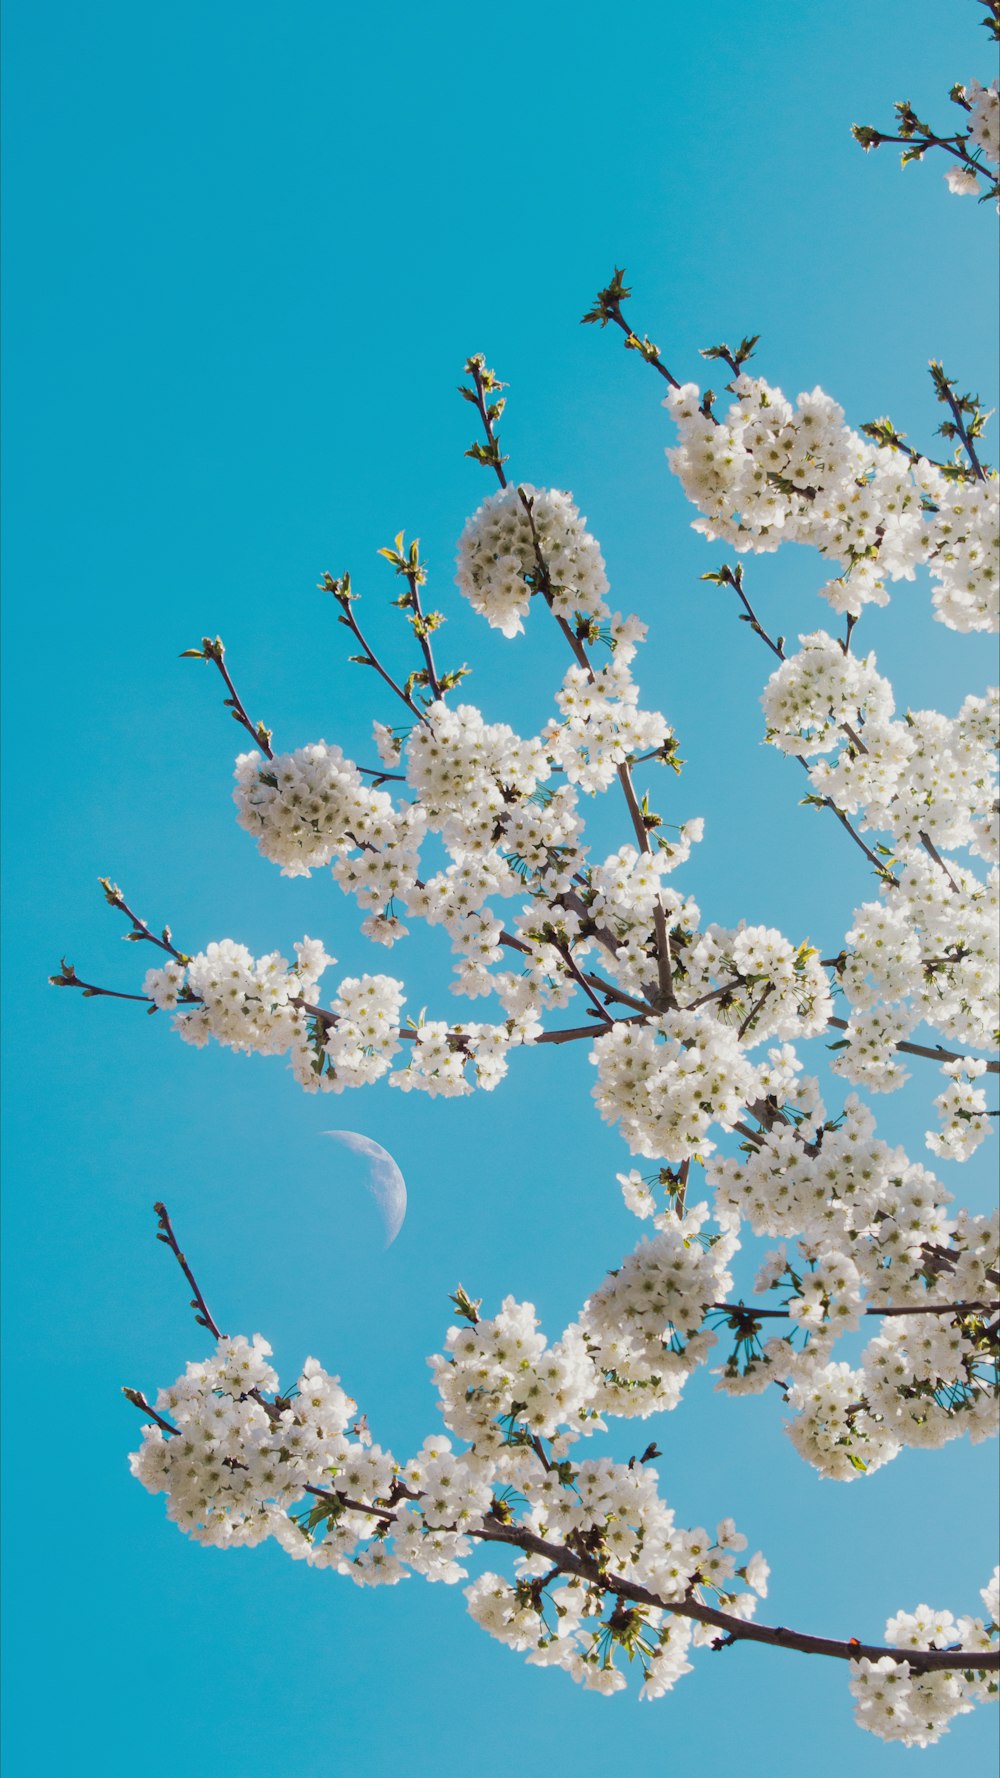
(938, 1054)
(747, 1312)
(567, 1561)
(202, 1313)
(213, 650)
(341, 590)
(741, 1630)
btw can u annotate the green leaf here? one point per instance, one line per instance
(608, 300)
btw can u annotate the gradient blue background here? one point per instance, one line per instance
(248, 249)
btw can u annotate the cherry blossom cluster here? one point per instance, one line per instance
(820, 690)
(240, 1461)
(985, 125)
(767, 473)
(306, 807)
(310, 807)
(917, 1708)
(259, 1005)
(249, 1004)
(666, 1082)
(600, 1566)
(602, 725)
(645, 1327)
(926, 951)
(520, 541)
(962, 1110)
(872, 1228)
(927, 776)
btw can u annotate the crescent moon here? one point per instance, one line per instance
(384, 1181)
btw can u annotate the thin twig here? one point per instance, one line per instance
(113, 896)
(615, 314)
(139, 1401)
(423, 636)
(581, 980)
(932, 852)
(944, 390)
(259, 734)
(752, 1014)
(345, 599)
(475, 369)
(69, 979)
(202, 1313)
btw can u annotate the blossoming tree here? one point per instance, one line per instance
(698, 1035)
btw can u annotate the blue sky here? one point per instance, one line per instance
(248, 250)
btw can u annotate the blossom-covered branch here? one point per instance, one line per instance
(697, 1039)
(600, 1566)
(975, 148)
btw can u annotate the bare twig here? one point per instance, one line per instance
(341, 590)
(166, 1234)
(113, 896)
(212, 650)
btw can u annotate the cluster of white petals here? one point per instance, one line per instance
(984, 127)
(768, 473)
(602, 725)
(928, 951)
(925, 778)
(665, 1083)
(499, 551)
(234, 1466)
(246, 1003)
(312, 807)
(872, 1227)
(645, 1327)
(495, 1370)
(899, 1704)
(962, 1109)
(772, 987)
(439, 1054)
(961, 548)
(306, 807)
(815, 692)
(455, 760)
(239, 1462)
(361, 1044)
